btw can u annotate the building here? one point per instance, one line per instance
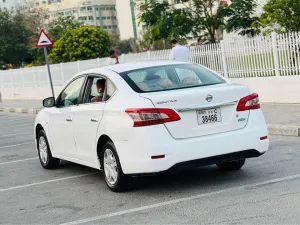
(10, 4)
(96, 13)
(126, 15)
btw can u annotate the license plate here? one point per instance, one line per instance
(209, 116)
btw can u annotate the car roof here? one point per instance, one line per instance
(124, 67)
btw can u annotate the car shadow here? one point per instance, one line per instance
(202, 177)
(191, 178)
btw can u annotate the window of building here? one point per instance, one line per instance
(104, 17)
(53, 1)
(82, 8)
(108, 17)
(89, 8)
(91, 18)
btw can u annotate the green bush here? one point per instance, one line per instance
(81, 44)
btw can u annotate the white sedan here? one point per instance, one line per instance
(144, 118)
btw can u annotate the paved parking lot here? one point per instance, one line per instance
(266, 190)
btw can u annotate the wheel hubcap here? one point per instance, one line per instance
(43, 150)
(110, 167)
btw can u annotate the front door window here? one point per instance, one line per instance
(70, 96)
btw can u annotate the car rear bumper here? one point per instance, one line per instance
(207, 161)
(135, 154)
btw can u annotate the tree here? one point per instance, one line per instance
(208, 16)
(282, 13)
(60, 25)
(200, 18)
(34, 20)
(149, 43)
(125, 46)
(81, 44)
(241, 16)
(115, 38)
(164, 21)
(14, 38)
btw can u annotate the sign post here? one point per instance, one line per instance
(45, 41)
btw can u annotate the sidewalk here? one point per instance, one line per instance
(282, 119)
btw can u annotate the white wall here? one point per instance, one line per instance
(283, 89)
(28, 93)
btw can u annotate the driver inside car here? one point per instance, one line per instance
(100, 85)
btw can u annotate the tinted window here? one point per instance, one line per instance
(70, 95)
(170, 77)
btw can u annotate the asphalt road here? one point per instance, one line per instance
(265, 191)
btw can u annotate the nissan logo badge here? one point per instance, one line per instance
(209, 98)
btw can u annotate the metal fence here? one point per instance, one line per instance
(274, 55)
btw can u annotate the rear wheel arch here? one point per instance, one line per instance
(101, 142)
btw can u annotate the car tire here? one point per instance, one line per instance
(233, 165)
(45, 156)
(112, 171)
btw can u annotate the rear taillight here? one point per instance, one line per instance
(152, 116)
(249, 102)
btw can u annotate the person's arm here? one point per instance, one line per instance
(117, 59)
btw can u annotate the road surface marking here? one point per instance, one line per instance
(179, 200)
(11, 135)
(16, 161)
(16, 120)
(20, 125)
(45, 182)
(8, 146)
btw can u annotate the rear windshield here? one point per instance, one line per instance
(170, 77)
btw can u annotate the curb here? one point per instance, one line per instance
(284, 130)
(274, 129)
(20, 110)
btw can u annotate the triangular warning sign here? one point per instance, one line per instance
(44, 40)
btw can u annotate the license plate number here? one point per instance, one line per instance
(209, 116)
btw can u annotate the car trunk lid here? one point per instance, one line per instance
(204, 110)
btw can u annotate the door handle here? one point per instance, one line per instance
(69, 120)
(94, 120)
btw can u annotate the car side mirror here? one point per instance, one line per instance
(49, 102)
